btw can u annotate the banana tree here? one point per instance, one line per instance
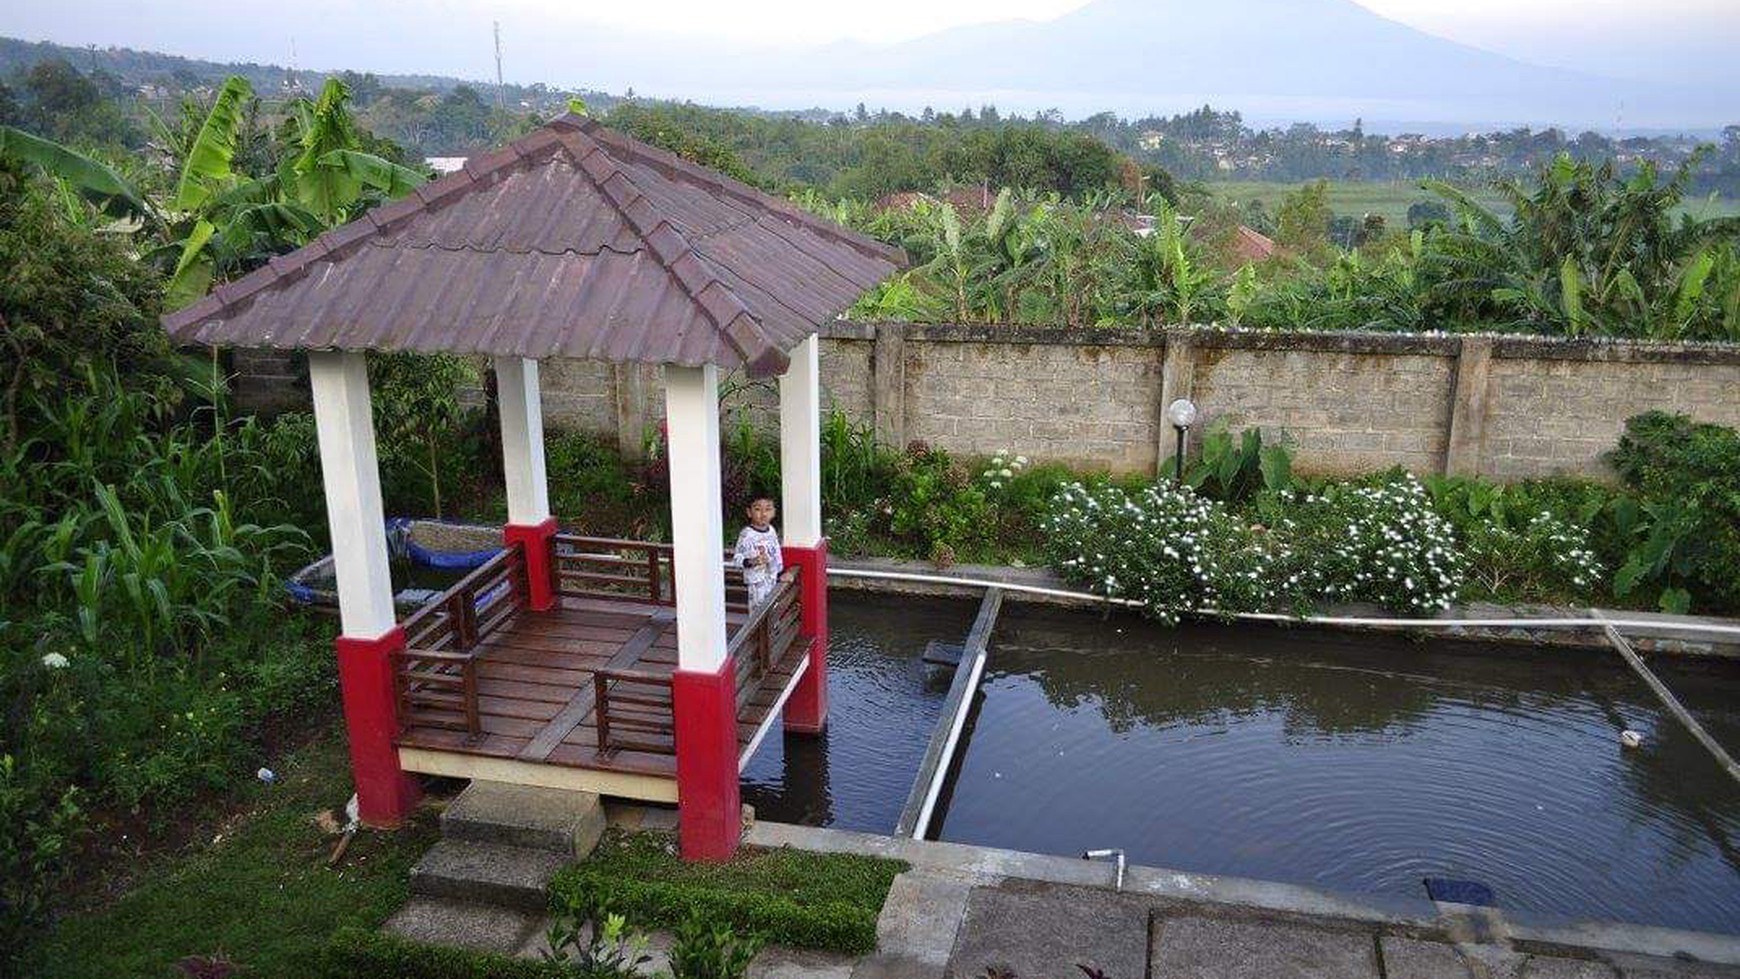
(1587, 251)
(1168, 281)
(109, 192)
(221, 222)
(331, 176)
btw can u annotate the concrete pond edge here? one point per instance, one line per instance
(1667, 634)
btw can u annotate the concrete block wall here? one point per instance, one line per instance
(1344, 412)
(579, 394)
(1089, 405)
(1553, 408)
(1503, 407)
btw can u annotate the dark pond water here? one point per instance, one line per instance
(1354, 763)
(1321, 758)
(883, 702)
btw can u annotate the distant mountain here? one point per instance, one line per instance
(1304, 59)
(137, 67)
(1295, 48)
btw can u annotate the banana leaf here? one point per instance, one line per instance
(383, 175)
(94, 181)
(193, 270)
(206, 171)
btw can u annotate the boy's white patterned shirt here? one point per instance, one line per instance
(749, 542)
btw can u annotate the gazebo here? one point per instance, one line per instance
(624, 668)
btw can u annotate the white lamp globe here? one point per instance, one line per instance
(1181, 413)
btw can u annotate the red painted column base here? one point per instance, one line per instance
(806, 712)
(539, 542)
(709, 806)
(385, 793)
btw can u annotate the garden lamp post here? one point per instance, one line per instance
(1182, 414)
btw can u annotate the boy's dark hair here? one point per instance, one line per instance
(757, 498)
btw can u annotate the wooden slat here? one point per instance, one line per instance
(584, 699)
(534, 666)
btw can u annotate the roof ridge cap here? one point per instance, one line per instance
(863, 244)
(728, 322)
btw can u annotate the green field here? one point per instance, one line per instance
(1391, 198)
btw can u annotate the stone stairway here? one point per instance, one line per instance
(485, 884)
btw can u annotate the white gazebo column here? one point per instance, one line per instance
(703, 690)
(800, 466)
(371, 634)
(528, 490)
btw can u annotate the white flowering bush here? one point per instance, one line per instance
(1381, 543)
(1002, 468)
(1164, 546)
(1547, 555)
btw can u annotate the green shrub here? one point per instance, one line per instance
(749, 462)
(1516, 546)
(1164, 546)
(1685, 528)
(1234, 470)
(593, 489)
(39, 829)
(702, 950)
(356, 953)
(590, 938)
(837, 927)
(935, 508)
(423, 428)
(788, 897)
(856, 469)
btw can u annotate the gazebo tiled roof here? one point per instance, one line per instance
(575, 241)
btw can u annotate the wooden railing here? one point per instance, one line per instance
(634, 709)
(634, 712)
(620, 570)
(767, 637)
(630, 570)
(435, 675)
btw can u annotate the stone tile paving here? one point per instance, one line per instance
(1210, 948)
(1043, 931)
(1038, 930)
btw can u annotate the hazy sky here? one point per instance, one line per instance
(1465, 20)
(1680, 42)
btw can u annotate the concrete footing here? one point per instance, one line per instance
(525, 816)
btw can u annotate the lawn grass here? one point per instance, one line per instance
(260, 893)
(1391, 198)
(788, 897)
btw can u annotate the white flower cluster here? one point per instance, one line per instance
(1002, 468)
(1383, 544)
(1565, 548)
(1164, 546)
(1546, 555)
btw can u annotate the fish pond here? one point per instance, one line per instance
(1338, 760)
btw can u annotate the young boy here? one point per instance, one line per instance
(757, 551)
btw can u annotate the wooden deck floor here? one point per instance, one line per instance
(535, 690)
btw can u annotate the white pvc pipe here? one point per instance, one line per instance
(1561, 623)
(956, 725)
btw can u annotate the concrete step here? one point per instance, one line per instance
(480, 927)
(556, 820)
(514, 877)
